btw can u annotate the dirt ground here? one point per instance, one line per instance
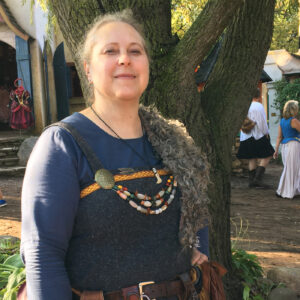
(261, 223)
(264, 224)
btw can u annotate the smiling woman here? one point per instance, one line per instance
(109, 196)
(118, 66)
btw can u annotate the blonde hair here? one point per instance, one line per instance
(290, 109)
(125, 16)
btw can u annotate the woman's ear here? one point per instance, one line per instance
(87, 71)
(86, 68)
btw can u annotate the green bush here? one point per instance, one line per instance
(285, 91)
(12, 276)
(250, 271)
(12, 269)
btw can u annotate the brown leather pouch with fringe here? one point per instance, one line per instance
(212, 284)
(248, 125)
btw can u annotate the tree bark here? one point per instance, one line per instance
(225, 102)
(73, 18)
(213, 117)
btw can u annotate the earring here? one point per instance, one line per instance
(90, 80)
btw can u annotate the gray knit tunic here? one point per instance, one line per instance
(114, 246)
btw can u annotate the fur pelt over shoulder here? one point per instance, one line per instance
(189, 165)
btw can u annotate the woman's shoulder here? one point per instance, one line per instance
(55, 137)
(77, 122)
(294, 121)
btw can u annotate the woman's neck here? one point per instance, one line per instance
(121, 118)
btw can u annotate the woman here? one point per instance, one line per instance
(289, 137)
(115, 195)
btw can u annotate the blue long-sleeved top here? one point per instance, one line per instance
(55, 174)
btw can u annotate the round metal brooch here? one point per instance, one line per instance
(105, 179)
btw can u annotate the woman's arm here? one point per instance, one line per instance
(295, 124)
(50, 197)
(278, 141)
(201, 251)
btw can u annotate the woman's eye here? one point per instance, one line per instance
(110, 51)
(135, 51)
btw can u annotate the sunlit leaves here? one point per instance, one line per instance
(286, 20)
(184, 13)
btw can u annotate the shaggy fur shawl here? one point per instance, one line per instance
(189, 165)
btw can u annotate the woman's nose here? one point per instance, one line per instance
(124, 59)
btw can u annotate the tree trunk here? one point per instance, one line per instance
(225, 102)
(213, 117)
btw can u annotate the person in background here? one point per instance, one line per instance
(256, 144)
(2, 201)
(289, 138)
(114, 197)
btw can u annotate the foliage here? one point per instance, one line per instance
(184, 13)
(247, 266)
(240, 227)
(250, 271)
(12, 269)
(285, 35)
(8, 247)
(12, 276)
(285, 91)
(46, 6)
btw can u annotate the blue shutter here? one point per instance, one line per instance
(61, 82)
(47, 85)
(23, 63)
(69, 82)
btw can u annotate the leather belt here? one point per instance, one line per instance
(143, 291)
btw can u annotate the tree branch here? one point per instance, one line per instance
(202, 35)
(239, 66)
(176, 75)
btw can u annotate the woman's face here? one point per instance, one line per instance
(119, 66)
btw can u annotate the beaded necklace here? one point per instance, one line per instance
(149, 204)
(128, 145)
(152, 205)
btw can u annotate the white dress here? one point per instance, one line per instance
(289, 184)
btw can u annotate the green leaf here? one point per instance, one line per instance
(246, 292)
(258, 297)
(14, 260)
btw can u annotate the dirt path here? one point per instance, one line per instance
(270, 225)
(10, 215)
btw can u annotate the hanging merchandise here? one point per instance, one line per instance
(21, 116)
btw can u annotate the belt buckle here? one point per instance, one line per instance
(142, 294)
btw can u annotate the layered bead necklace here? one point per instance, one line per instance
(141, 202)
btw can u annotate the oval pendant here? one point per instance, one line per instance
(105, 179)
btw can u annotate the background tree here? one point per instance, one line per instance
(286, 23)
(213, 117)
(184, 13)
